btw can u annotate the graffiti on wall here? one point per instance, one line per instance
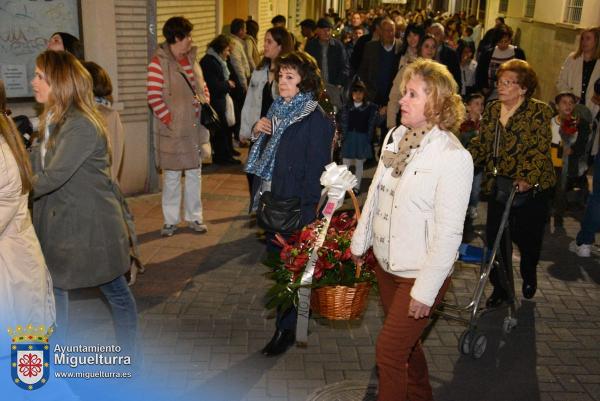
(25, 27)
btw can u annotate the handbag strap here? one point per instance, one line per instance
(190, 86)
(496, 148)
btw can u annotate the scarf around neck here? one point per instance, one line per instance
(398, 161)
(223, 63)
(261, 160)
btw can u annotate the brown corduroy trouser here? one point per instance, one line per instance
(401, 364)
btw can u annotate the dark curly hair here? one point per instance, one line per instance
(176, 28)
(306, 66)
(526, 76)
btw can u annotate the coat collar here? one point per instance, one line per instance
(164, 52)
(435, 137)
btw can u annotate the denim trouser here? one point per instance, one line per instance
(590, 224)
(123, 308)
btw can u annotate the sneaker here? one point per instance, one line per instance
(168, 230)
(197, 226)
(583, 250)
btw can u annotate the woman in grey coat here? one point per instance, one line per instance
(76, 214)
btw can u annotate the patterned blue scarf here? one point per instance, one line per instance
(262, 162)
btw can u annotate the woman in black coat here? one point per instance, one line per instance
(293, 146)
(220, 84)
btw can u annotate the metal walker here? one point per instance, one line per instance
(472, 342)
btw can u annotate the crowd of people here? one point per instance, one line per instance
(448, 113)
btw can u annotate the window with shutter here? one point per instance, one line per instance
(573, 12)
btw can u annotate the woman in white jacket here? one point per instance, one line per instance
(579, 72)
(26, 296)
(413, 218)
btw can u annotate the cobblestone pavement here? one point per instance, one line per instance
(203, 324)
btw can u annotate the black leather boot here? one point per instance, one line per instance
(281, 341)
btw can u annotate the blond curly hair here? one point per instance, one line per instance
(444, 106)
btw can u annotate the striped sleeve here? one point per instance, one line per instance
(154, 86)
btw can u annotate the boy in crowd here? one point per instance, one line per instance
(569, 139)
(468, 130)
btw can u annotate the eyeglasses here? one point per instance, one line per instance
(506, 82)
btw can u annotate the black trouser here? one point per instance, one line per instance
(526, 231)
(238, 98)
(222, 140)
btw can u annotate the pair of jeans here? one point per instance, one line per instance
(123, 309)
(401, 363)
(590, 224)
(171, 195)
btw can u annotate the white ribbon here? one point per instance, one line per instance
(336, 180)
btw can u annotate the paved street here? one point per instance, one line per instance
(203, 323)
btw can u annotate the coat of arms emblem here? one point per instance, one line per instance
(30, 356)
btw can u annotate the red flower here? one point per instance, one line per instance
(307, 234)
(568, 126)
(347, 255)
(298, 263)
(331, 244)
(323, 263)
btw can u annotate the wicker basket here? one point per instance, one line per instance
(339, 302)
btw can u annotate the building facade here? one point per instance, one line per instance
(120, 35)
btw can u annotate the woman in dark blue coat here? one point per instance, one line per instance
(293, 146)
(220, 84)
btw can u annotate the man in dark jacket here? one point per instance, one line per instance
(380, 63)
(379, 67)
(332, 59)
(445, 54)
(359, 46)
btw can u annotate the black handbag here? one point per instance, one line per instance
(278, 216)
(208, 116)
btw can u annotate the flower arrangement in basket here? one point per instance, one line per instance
(340, 288)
